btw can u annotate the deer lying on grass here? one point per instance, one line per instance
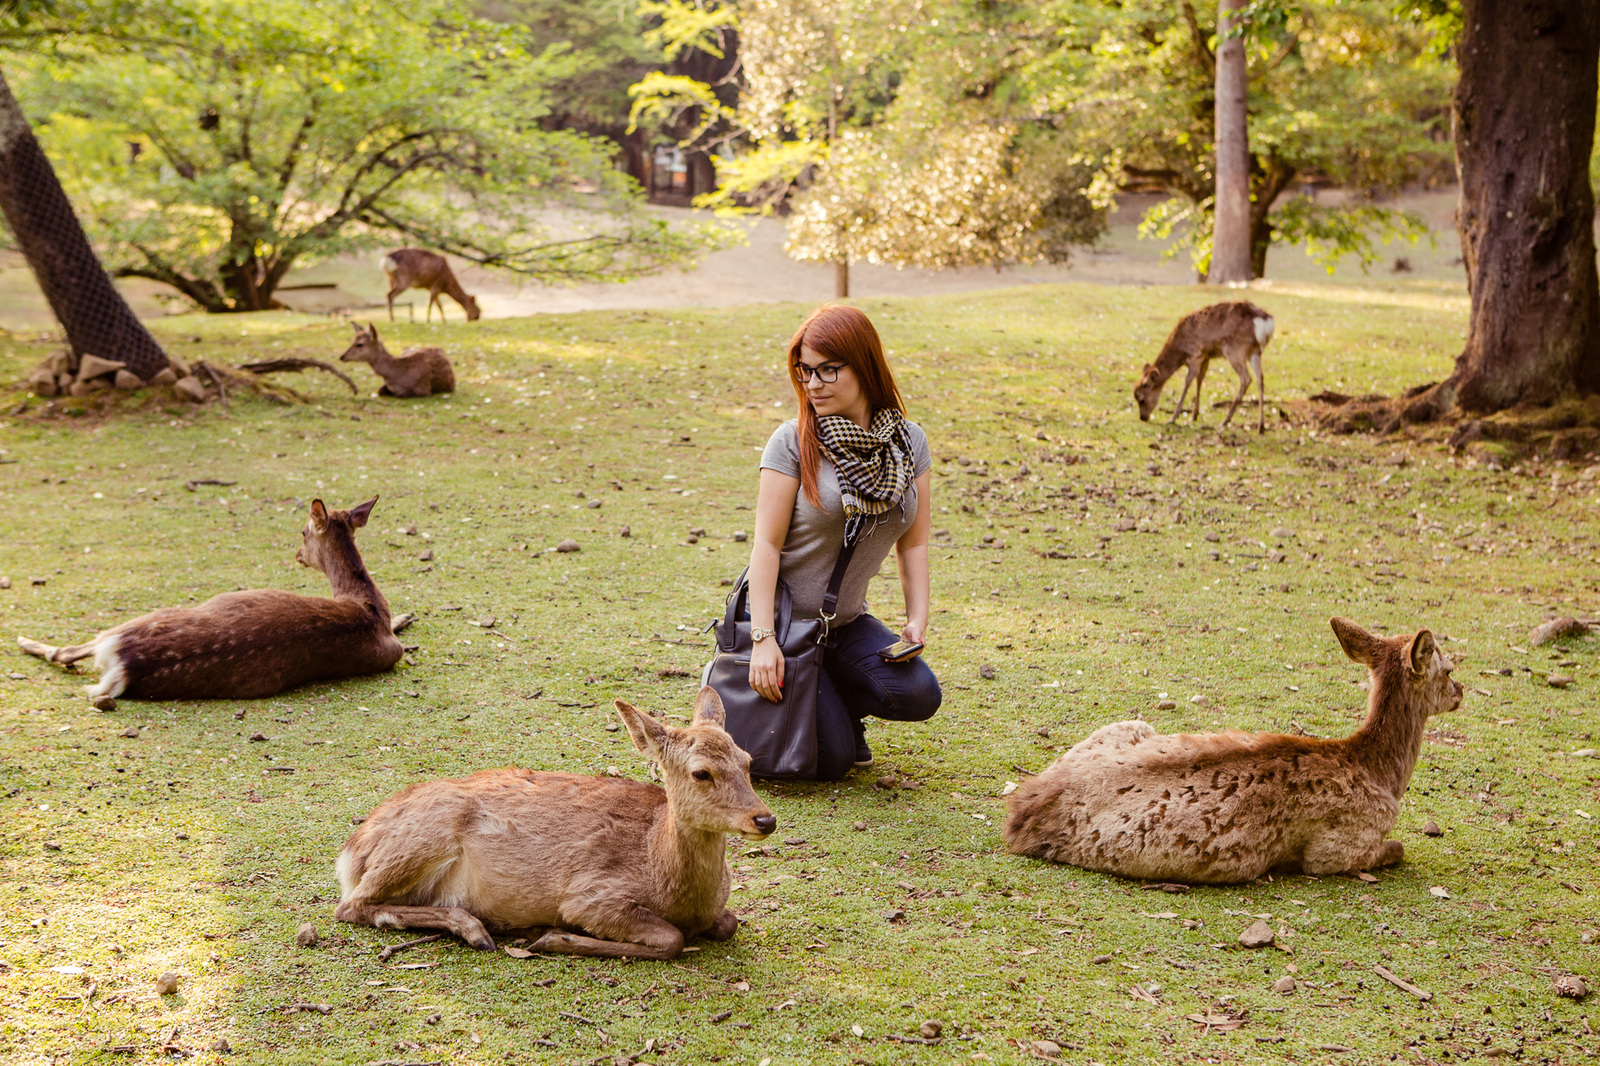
(418, 372)
(587, 865)
(1237, 331)
(418, 268)
(256, 643)
(1229, 807)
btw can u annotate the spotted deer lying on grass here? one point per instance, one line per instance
(254, 643)
(596, 866)
(417, 372)
(1237, 331)
(1229, 807)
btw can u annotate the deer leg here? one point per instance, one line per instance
(1178, 410)
(434, 301)
(1244, 387)
(456, 920)
(726, 925)
(1199, 379)
(1261, 391)
(51, 653)
(392, 294)
(1389, 854)
(630, 932)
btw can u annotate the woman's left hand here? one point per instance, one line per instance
(914, 633)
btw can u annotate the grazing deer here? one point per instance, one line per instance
(416, 372)
(256, 643)
(596, 866)
(1237, 331)
(1228, 807)
(418, 268)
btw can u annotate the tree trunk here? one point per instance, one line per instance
(1524, 117)
(1230, 242)
(98, 321)
(1269, 184)
(841, 280)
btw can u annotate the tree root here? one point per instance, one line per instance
(244, 378)
(1568, 430)
(275, 366)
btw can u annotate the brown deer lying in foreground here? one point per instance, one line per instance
(418, 268)
(418, 372)
(589, 865)
(256, 643)
(1237, 331)
(1229, 807)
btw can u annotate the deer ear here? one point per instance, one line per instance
(648, 734)
(1148, 367)
(373, 329)
(357, 327)
(708, 707)
(1356, 642)
(1419, 651)
(360, 512)
(319, 516)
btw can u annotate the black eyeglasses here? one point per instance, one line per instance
(828, 372)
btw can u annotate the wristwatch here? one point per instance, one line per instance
(757, 634)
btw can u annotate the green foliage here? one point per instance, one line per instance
(213, 144)
(849, 114)
(1339, 92)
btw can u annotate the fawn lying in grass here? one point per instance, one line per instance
(416, 372)
(597, 866)
(246, 645)
(1229, 807)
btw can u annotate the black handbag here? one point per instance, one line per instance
(781, 738)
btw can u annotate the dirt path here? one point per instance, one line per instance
(759, 272)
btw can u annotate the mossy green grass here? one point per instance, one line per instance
(1095, 564)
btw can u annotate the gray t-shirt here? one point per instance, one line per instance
(817, 534)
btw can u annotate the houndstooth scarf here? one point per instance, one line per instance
(874, 465)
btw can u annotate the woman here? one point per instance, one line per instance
(849, 470)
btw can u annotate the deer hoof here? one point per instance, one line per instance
(483, 943)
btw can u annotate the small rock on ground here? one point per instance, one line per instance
(931, 1028)
(306, 935)
(1571, 985)
(1431, 829)
(1284, 985)
(1558, 680)
(105, 703)
(166, 984)
(568, 545)
(1258, 935)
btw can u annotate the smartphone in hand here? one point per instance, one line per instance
(900, 651)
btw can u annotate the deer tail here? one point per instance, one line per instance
(1265, 327)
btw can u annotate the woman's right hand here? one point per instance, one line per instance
(766, 669)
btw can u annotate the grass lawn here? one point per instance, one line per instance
(158, 837)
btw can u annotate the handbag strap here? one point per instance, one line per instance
(830, 598)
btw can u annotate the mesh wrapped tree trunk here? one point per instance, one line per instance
(97, 319)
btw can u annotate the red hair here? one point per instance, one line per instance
(841, 335)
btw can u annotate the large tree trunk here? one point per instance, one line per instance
(1274, 177)
(841, 279)
(1524, 115)
(1230, 242)
(97, 319)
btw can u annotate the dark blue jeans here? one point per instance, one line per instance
(856, 683)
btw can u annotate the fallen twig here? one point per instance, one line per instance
(395, 949)
(913, 1039)
(274, 366)
(576, 1017)
(222, 390)
(316, 1008)
(197, 482)
(1401, 983)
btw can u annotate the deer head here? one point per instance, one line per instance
(365, 347)
(323, 527)
(1148, 392)
(707, 775)
(471, 304)
(1415, 661)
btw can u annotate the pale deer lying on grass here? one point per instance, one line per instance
(1237, 331)
(256, 643)
(418, 268)
(1229, 807)
(597, 866)
(418, 372)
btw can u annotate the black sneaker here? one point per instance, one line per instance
(863, 753)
